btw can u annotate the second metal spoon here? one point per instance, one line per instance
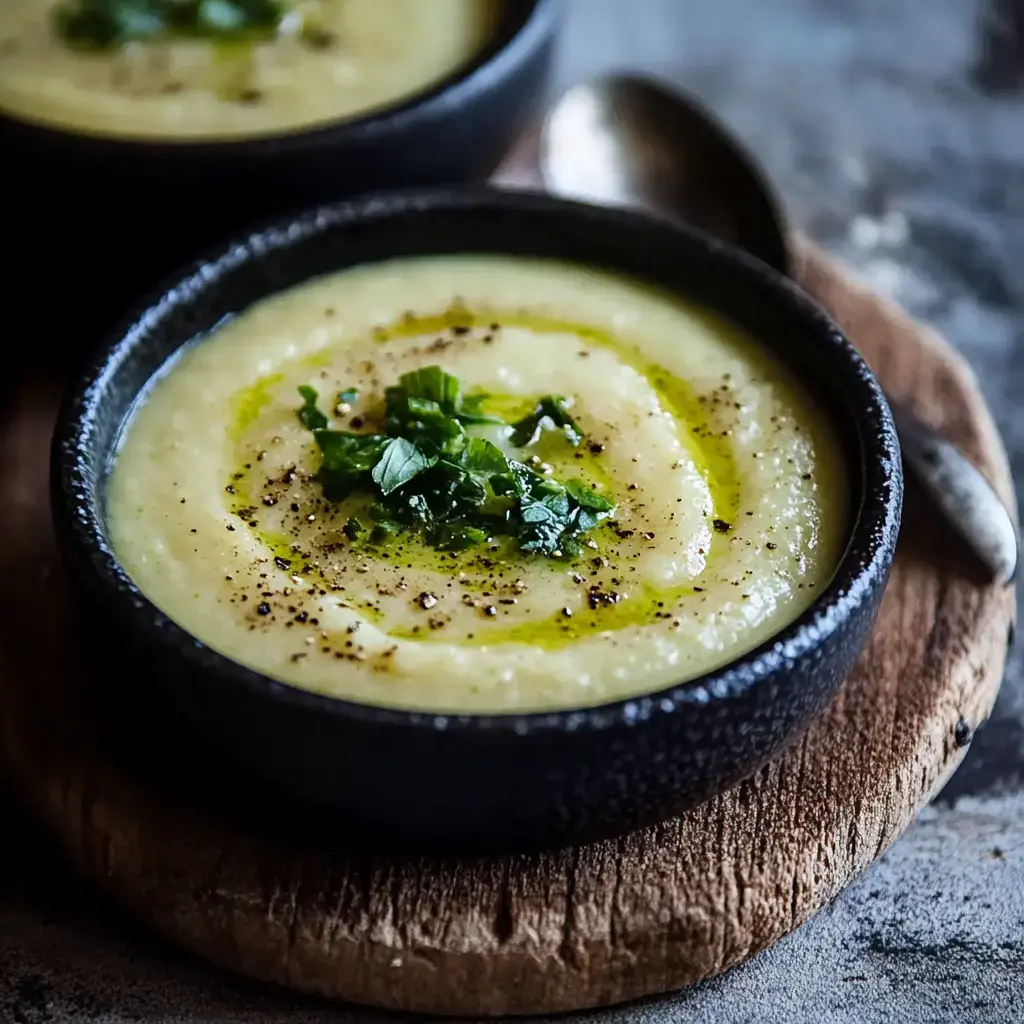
(624, 140)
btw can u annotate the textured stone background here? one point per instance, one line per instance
(896, 131)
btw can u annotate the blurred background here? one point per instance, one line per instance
(895, 132)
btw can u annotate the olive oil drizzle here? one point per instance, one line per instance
(711, 453)
(631, 605)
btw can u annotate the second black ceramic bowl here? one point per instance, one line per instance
(110, 214)
(488, 781)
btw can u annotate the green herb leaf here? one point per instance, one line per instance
(421, 407)
(482, 457)
(427, 405)
(587, 497)
(107, 24)
(353, 529)
(220, 17)
(382, 529)
(348, 396)
(435, 385)
(472, 411)
(544, 522)
(346, 452)
(460, 536)
(418, 509)
(101, 24)
(550, 413)
(529, 484)
(348, 460)
(400, 463)
(554, 516)
(312, 418)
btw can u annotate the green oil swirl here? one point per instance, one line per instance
(644, 604)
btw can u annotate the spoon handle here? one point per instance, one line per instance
(964, 496)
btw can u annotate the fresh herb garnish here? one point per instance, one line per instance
(401, 462)
(457, 491)
(312, 418)
(107, 24)
(429, 384)
(550, 413)
(427, 406)
(472, 411)
(348, 460)
(353, 529)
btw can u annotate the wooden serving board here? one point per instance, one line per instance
(655, 910)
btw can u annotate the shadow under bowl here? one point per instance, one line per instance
(110, 214)
(486, 782)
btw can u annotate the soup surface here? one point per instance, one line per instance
(298, 64)
(478, 483)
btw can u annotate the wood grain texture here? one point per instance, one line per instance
(652, 911)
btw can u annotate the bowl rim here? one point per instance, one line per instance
(494, 62)
(864, 564)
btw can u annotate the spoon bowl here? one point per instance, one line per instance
(625, 140)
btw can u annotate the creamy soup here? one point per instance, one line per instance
(682, 498)
(298, 64)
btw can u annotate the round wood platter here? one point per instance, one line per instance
(659, 909)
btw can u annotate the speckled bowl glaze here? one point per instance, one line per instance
(491, 781)
(112, 214)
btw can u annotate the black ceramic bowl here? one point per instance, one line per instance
(489, 781)
(112, 214)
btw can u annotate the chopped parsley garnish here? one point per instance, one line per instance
(312, 418)
(107, 24)
(400, 463)
(428, 475)
(551, 413)
(471, 411)
(347, 461)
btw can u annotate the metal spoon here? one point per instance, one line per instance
(625, 140)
